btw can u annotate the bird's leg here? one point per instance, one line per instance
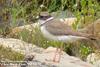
(59, 55)
(55, 55)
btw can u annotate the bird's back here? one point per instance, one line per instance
(57, 27)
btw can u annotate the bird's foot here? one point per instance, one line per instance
(50, 60)
(56, 61)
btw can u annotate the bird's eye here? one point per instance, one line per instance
(41, 17)
(44, 17)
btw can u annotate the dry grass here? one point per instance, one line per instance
(7, 53)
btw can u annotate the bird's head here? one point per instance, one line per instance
(44, 17)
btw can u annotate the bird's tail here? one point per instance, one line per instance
(94, 40)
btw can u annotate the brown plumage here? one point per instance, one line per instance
(56, 27)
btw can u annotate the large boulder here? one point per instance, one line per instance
(19, 45)
(16, 30)
(37, 56)
(66, 60)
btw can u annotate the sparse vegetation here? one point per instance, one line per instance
(8, 54)
(86, 12)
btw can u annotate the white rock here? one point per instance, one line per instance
(40, 58)
(92, 58)
(66, 60)
(18, 45)
(52, 50)
(97, 63)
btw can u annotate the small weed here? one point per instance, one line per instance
(7, 53)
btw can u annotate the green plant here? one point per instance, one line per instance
(28, 10)
(84, 51)
(88, 13)
(7, 53)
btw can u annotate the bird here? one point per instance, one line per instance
(54, 29)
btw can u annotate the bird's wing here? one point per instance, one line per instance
(56, 27)
(60, 28)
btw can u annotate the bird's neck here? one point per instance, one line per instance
(42, 21)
